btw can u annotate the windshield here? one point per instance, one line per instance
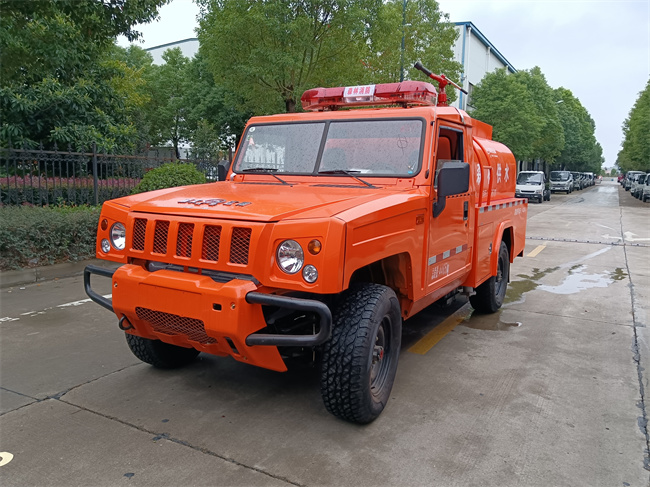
(378, 147)
(560, 175)
(529, 178)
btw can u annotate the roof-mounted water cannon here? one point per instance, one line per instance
(442, 80)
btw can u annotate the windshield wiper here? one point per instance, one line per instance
(266, 170)
(348, 173)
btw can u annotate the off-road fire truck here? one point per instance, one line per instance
(331, 227)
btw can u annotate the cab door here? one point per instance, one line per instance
(449, 246)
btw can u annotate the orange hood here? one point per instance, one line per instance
(254, 201)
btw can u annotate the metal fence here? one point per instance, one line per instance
(40, 177)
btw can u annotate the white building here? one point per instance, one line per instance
(478, 56)
(189, 47)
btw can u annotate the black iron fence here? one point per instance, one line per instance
(40, 177)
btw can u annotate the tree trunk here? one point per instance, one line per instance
(290, 105)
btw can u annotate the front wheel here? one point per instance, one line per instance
(490, 295)
(160, 354)
(360, 360)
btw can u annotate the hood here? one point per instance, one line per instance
(255, 202)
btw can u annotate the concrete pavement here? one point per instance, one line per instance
(548, 391)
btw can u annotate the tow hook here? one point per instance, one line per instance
(124, 327)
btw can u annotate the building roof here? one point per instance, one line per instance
(488, 44)
(173, 44)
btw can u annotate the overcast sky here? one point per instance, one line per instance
(599, 49)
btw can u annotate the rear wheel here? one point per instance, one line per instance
(360, 360)
(490, 295)
(160, 354)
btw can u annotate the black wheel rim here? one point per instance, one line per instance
(380, 358)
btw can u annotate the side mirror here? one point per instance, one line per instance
(453, 178)
(222, 170)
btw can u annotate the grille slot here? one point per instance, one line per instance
(239, 245)
(171, 324)
(184, 242)
(139, 233)
(160, 237)
(211, 240)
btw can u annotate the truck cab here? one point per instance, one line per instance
(561, 181)
(331, 227)
(531, 185)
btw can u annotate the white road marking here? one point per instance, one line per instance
(8, 318)
(5, 458)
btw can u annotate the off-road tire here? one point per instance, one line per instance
(360, 360)
(160, 354)
(490, 295)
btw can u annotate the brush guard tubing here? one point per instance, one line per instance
(97, 298)
(292, 303)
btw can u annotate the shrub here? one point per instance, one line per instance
(35, 236)
(169, 176)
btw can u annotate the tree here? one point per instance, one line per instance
(635, 154)
(284, 47)
(581, 151)
(428, 37)
(504, 102)
(213, 120)
(58, 81)
(169, 109)
(535, 121)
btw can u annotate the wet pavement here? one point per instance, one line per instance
(550, 390)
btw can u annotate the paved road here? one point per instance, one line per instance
(549, 391)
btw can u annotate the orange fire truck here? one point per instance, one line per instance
(329, 229)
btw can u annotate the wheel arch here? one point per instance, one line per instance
(505, 233)
(394, 271)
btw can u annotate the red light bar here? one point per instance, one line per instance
(405, 93)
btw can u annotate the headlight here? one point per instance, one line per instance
(310, 274)
(290, 256)
(118, 236)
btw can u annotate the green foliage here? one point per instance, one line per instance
(428, 37)
(169, 176)
(214, 119)
(59, 83)
(635, 155)
(503, 101)
(34, 236)
(581, 151)
(169, 85)
(284, 47)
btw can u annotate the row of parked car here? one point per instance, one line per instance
(637, 183)
(533, 184)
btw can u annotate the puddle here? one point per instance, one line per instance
(488, 322)
(578, 280)
(618, 274)
(517, 289)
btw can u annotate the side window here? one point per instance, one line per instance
(449, 147)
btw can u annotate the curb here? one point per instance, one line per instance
(47, 273)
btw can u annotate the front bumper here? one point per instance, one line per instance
(192, 310)
(529, 195)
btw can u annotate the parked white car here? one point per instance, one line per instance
(532, 185)
(645, 189)
(561, 181)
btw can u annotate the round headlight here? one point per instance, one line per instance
(106, 247)
(290, 256)
(118, 236)
(310, 274)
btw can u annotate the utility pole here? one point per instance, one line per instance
(401, 68)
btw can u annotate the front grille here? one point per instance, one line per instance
(184, 242)
(241, 239)
(211, 240)
(171, 324)
(160, 237)
(209, 246)
(139, 232)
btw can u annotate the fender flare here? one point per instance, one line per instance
(504, 226)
